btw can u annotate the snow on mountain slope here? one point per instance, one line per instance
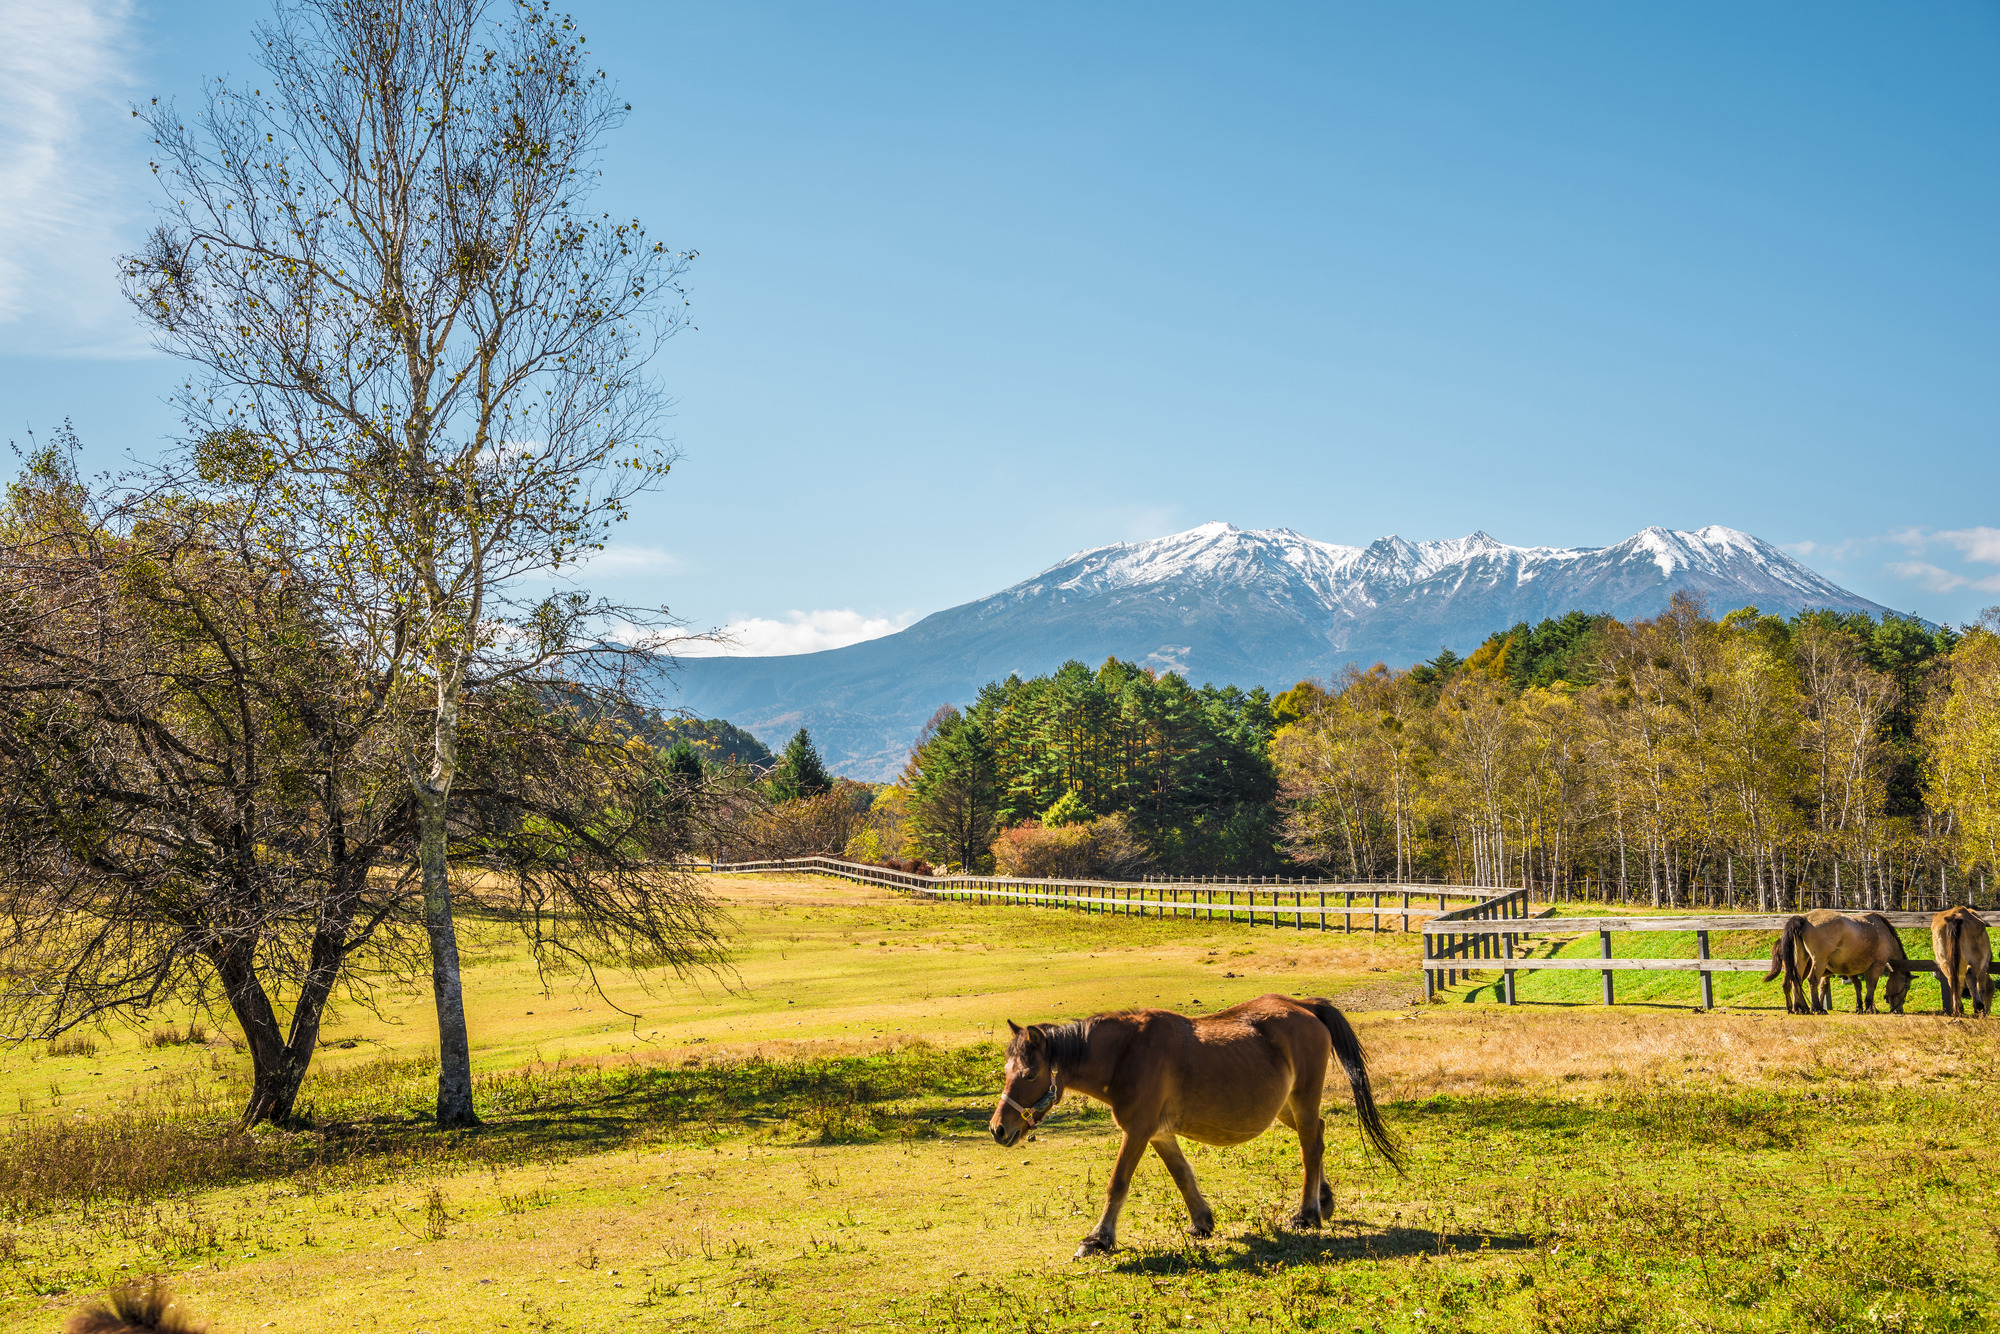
(1338, 576)
(1225, 604)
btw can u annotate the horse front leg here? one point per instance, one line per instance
(1201, 1218)
(1104, 1237)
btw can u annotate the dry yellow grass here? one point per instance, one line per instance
(1463, 1049)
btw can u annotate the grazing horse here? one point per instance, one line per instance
(1818, 946)
(1219, 1079)
(1965, 960)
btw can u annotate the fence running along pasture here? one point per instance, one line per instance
(1277, 904)
(1453, 939)
(1477, 937)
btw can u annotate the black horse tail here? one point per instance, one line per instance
(1347, 1047)
(1791, 945)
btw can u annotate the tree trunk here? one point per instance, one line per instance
(454, 1096)
(275, 1070)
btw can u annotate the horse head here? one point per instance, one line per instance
(1032, 1086)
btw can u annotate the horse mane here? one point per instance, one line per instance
(1066, 1044)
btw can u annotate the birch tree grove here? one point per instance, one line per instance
(415, 351)
(1748, 760)
(1963, 730)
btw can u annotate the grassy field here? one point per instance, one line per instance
(801, 1146)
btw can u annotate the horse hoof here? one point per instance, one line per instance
(1305, 1222)
(1203, 1232)
(1092, 1246)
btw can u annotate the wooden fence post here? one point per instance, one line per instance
(1604, 939)
(1707, 977)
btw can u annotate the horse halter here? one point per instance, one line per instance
(1033, 1114)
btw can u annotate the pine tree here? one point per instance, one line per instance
(800, 772)
(683, 762)
(953, 802)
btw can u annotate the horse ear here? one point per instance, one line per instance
(1014, 1027)
(1035, 1035)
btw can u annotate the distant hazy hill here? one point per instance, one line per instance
(1224, 604)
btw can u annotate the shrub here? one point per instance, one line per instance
(821, 825)
(74, 1044)
(1102, 847)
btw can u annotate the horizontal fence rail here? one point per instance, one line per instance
(1300, 906)
(1450, 939)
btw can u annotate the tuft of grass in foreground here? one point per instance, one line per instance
(194, 1035)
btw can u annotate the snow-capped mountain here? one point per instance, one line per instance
(1225, 604)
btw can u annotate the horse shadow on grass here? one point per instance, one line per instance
(1343, 1240)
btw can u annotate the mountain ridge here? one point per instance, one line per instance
(1231, 605)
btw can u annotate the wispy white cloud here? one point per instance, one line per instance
(799, 632)
(70, 175)
(1832, 552)
(1936, 580)
(1978, 544)
(617, 561)
(1942, 562)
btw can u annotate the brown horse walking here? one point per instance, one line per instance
(1965, 960)
(1220, 1079)
(1818, 946)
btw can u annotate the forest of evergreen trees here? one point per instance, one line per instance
(1187, 771)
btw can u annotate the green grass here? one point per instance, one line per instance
(1570, 1169)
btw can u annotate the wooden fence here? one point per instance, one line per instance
(1255, 904)
(1477, 937)
(1452, 938)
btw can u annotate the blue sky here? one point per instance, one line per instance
(980, 286)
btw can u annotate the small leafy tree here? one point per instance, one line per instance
(199, 804)
(194, 804)
(417, 352)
